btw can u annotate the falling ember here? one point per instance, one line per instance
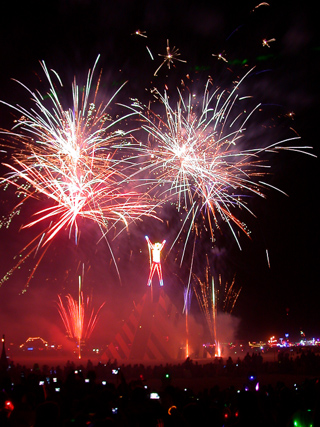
(268, 259)
(78, 318)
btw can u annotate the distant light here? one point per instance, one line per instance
(9, 405)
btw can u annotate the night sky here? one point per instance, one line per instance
(68, 36)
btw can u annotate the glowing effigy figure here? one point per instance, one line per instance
(155, 264)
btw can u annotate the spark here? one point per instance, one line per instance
(221, 56)
(268, 258)
(149, 51)
(169, 58)
(266, 42)
(140, 33)
(260, 4)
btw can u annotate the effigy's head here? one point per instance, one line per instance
(157, 245)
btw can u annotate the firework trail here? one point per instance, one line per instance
(210, 298)
(195, 156)
(187, 304)
(227, 295)
(73, 159)
(207, 301)
(78, 318)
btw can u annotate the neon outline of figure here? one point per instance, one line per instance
(155, 264)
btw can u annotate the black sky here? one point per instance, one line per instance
(68, 36)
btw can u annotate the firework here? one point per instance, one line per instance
(227, 295)
(265, 42)
(196, 155)
(67, 158)
(139, 33)
(78, 317)
(187, 304)
(211, 298)
(169, 58)
(207, 302)
(221, 56)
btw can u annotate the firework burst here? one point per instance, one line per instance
(169, 58)
(68, 158)
(195, 155)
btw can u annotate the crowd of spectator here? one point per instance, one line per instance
(106, 394)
